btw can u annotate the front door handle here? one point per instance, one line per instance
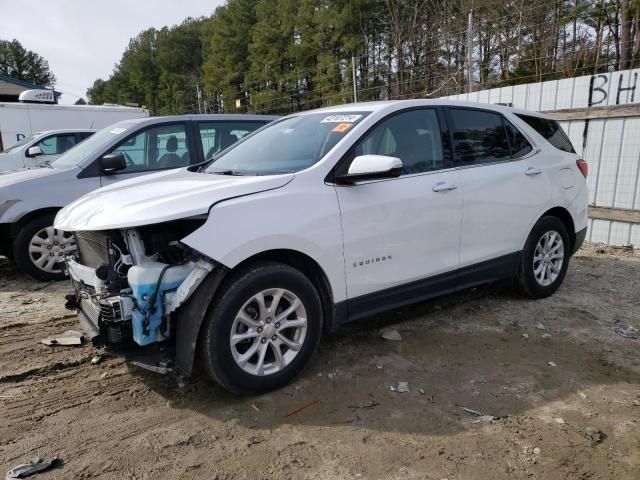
(443, 187)
(531, 171)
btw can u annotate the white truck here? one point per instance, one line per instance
(19, 121)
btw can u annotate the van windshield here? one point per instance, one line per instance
(77, 154)
(287, 146)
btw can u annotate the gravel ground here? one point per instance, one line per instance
(546, 370)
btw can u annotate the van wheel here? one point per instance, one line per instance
(545, 258)
(39, 249)
(263, 330)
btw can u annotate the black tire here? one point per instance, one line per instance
(215, 349)
(21, 250)
(526, 280)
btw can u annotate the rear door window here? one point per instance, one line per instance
(550, 130)
(216, 136)
(478, 136)
(83, 136)
(519, 145)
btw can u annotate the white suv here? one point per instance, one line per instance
(321, 218)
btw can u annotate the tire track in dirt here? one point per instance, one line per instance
(43, 371)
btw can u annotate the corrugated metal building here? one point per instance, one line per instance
(610, 145)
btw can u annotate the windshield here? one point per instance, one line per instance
(288, 146)
(17, 146)
(82, 150)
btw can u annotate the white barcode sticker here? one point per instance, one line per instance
(341, 119)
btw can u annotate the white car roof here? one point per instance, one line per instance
(66, 130)
(391, 105)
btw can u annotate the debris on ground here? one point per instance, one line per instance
(36, 465)
(96, 360)
(299, 409)
(70, 337)
(364, 405)
(552, 364)
(390, 334)
(546, 336)
(483, 417)
(536, 451)
(402, 387)
(525, 335)
(595, 434)
(628, 332)
(331, 375)
(255, 408)
(255, 441)
(421, 391)
(540, 326)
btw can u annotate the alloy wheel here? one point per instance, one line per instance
(548, 258)
(268, 331)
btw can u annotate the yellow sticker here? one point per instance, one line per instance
(342, 127)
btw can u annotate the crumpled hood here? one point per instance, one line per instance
(157, 198)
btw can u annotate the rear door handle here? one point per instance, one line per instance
(443, 187)
(531, 171)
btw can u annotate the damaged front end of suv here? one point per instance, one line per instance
(129, 285)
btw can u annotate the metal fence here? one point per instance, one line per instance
(601, 115)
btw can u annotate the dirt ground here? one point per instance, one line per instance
(483, 349)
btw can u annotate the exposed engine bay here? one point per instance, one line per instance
(129, 283)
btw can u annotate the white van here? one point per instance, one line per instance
(19, 121)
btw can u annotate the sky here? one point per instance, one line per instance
(83, 39)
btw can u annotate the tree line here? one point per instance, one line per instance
(22, 64)
(279, 56)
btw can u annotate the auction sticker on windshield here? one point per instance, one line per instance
(341, 119)
(342, 127)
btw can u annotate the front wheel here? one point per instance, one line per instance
(39, 249)
(545, 258)
(263, 330)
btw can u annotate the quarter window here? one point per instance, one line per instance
(413, 137)
(478, 136)
(156, 148)
(551, 131)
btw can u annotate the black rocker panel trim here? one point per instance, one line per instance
(420, 290)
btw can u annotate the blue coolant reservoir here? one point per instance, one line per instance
(143, 280)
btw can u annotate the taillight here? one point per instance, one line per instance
(583, 167)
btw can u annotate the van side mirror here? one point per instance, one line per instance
(371, 167)
(34, 151)
(112, 162)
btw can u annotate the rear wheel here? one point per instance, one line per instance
(263, 330)
(545, 258)
(39, 249)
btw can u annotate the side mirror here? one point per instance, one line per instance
(112, 162)
(371, 167)
(34, 151)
